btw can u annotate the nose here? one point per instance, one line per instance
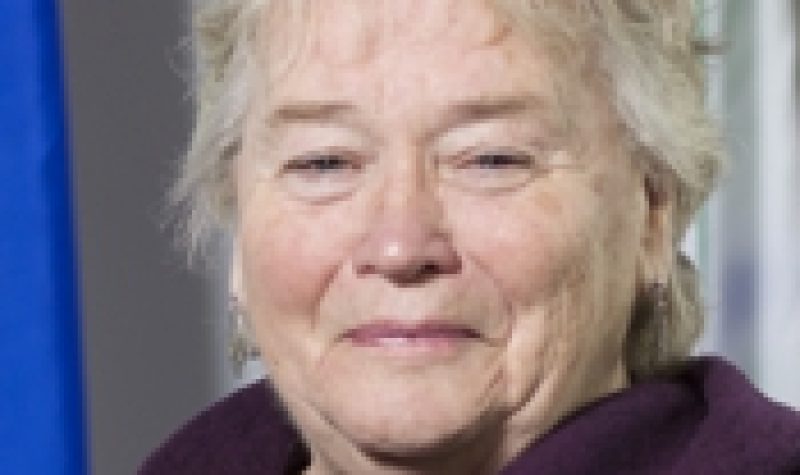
(406, 243)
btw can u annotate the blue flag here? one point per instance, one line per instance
(42, 428)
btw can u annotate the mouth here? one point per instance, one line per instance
(429, 334)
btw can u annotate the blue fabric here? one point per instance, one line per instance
(42, 428)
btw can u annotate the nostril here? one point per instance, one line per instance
(365, 269)
(408, 271)
(415, 273)
(429, 268)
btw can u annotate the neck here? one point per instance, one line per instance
(479, 456)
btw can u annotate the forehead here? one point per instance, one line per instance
(380, 51)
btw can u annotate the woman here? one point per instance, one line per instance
(456, 229)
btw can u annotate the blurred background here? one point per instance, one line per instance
(155, 333)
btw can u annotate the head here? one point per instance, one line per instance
(447, 216)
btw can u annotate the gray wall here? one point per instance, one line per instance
(149, 331)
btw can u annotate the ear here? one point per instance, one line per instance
(657, 246)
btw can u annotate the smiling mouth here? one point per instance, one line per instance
(422, 334)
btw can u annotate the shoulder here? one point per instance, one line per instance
(247, 432)
(742, 430)
(702, 417)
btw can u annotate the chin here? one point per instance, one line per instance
(429, 434)
(409, 415)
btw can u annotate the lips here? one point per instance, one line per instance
(392, 333)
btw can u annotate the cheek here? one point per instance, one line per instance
(539, 249)
(289, 257)
(530, 245)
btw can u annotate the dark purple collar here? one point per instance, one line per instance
(705, 418)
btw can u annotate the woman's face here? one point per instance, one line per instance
(427, 254)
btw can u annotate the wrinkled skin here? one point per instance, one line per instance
(543, 271)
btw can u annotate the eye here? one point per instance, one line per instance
(323, 163)
(499, 160)
(323, 175)
(489, 169)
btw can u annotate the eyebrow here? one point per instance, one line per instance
(491, 107)
(456, 114)
(485, 108)
(312, 112)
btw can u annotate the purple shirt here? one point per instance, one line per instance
(705, 419)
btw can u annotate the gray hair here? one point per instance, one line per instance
(648, 51)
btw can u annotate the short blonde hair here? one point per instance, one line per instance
(647, 49)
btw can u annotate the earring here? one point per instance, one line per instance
(659, 296)
(241, 349)
(659, 299)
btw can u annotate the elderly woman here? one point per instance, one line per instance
(455, 231)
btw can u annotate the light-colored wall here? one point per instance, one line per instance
(777, 182)
(749, 233)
